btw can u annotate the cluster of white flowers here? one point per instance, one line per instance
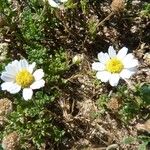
(22, 75)
(111, 66)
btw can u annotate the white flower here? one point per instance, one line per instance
(111, 66)
(57, 3)
(21, 75)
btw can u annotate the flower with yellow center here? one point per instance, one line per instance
(24, 78)
(21, 75)
(111, 66)
(114, 65)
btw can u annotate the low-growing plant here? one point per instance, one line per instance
(142, 139)
(32, 119)
(130, 104)
(49, 36)
(146, 10)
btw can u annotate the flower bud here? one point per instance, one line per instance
(77, 59)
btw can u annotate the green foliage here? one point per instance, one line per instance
(144, 140)
(36, 53)
(4, 7)
(143, 146)
(128, 140)
(32, 119)
(131, 101)
(146, 10)
(70, 4)
(57, 66)
(144, 93)
(101, 103)
(30, 31)
(32, 24)
(92, 26)
(84, 5)
(1, 147)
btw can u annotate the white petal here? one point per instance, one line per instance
(6, 85)
(98, 66)
(37, 84)
(8, 77)
(130, 63)
(128, 57)
(23, 63)
(10, 69)
(111, 52)
(11, 87)
(63, 1)
(114, 79)
(14, 63)
(134, 69)
(122, 53)
(27, 93)
(103, 57)
(127, 73)
(38, 74)
(106, 57)
(103, 76)
(13, 66)
(31, 67)
(53, 3)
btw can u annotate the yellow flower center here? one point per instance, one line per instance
(24, 78)
(114, 65)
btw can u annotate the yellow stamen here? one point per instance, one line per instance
(114, 65)
(24, 78)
